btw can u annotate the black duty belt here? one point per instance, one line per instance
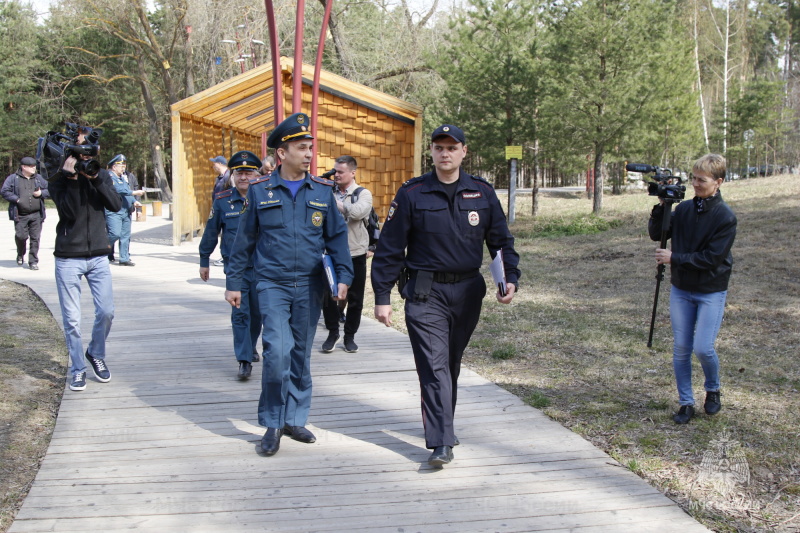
(451, 277)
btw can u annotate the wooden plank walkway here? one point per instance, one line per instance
(169, 444)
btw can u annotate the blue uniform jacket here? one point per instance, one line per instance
(124, 190)
(423, 231)
(288, 235)
(225, 214)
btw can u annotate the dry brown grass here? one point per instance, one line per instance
(574, 344)
(32, 369)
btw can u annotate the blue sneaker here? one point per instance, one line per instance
(78, 381)
(99, 368)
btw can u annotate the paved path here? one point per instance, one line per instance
(169, 445)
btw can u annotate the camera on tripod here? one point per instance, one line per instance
(665, 184)
(54, 148)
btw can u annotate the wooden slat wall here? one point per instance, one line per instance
(385, 147)
(382, 145)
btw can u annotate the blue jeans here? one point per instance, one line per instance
(290, 315)
(696, 319)
(69, 272)
(119, 229)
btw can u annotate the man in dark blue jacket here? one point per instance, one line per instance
(291, 219)
(434, 236)
(25, 191)
(226, 212)
(82, 252)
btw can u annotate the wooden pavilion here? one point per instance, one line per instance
(383, 133)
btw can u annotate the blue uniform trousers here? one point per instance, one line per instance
(289, 314)
(439, 330)
(119, 228)
(246, 320)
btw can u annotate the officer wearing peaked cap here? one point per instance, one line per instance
(226, 212)
(119, 222)
(296, 127)
(433, 237)
(290, 221)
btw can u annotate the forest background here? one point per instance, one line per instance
(583, 86)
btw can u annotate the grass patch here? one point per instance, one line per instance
(537, 400)
(506, 351)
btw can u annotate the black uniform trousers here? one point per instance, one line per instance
(28, 227)
(355, 301)
(439, 330)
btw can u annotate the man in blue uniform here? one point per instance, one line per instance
(432, 241)
(226, 211)
(290, 220)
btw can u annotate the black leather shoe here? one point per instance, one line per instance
(330, 342)
(684, 414)
(271, 441)
(441, 456)
(713, 404)
(299, 433)
(256, 357)
(126, 263)
(244, 369)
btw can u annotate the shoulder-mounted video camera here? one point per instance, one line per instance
(329, 174)
(665, 184)
(55, 147)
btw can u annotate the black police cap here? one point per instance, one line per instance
(244, 160)
(294, 128)
(448, 130)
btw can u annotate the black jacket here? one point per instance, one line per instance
(81, 229)
(424, 230)
(701, 244)
(11, 192)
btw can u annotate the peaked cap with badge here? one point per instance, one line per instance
(293, 128)
(244, 160)
(448, 130)
(119, 158)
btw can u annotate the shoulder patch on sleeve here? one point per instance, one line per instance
(323, 181)
(482, 181)
(412, 181)
(223, 194)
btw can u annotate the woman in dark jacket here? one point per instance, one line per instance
(702, 233)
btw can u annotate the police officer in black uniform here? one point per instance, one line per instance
(432, 241)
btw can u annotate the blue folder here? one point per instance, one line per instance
(330, 275)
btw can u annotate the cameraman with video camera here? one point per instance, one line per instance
(702, 233)
(82, 191)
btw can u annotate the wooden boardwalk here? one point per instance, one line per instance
(170, 443)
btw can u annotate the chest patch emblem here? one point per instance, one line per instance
(471, 195)
(474, 218)
(316, 218)
(269, 194)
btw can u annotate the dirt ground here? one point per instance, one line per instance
(33, 364)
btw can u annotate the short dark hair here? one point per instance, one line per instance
(348, 160)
